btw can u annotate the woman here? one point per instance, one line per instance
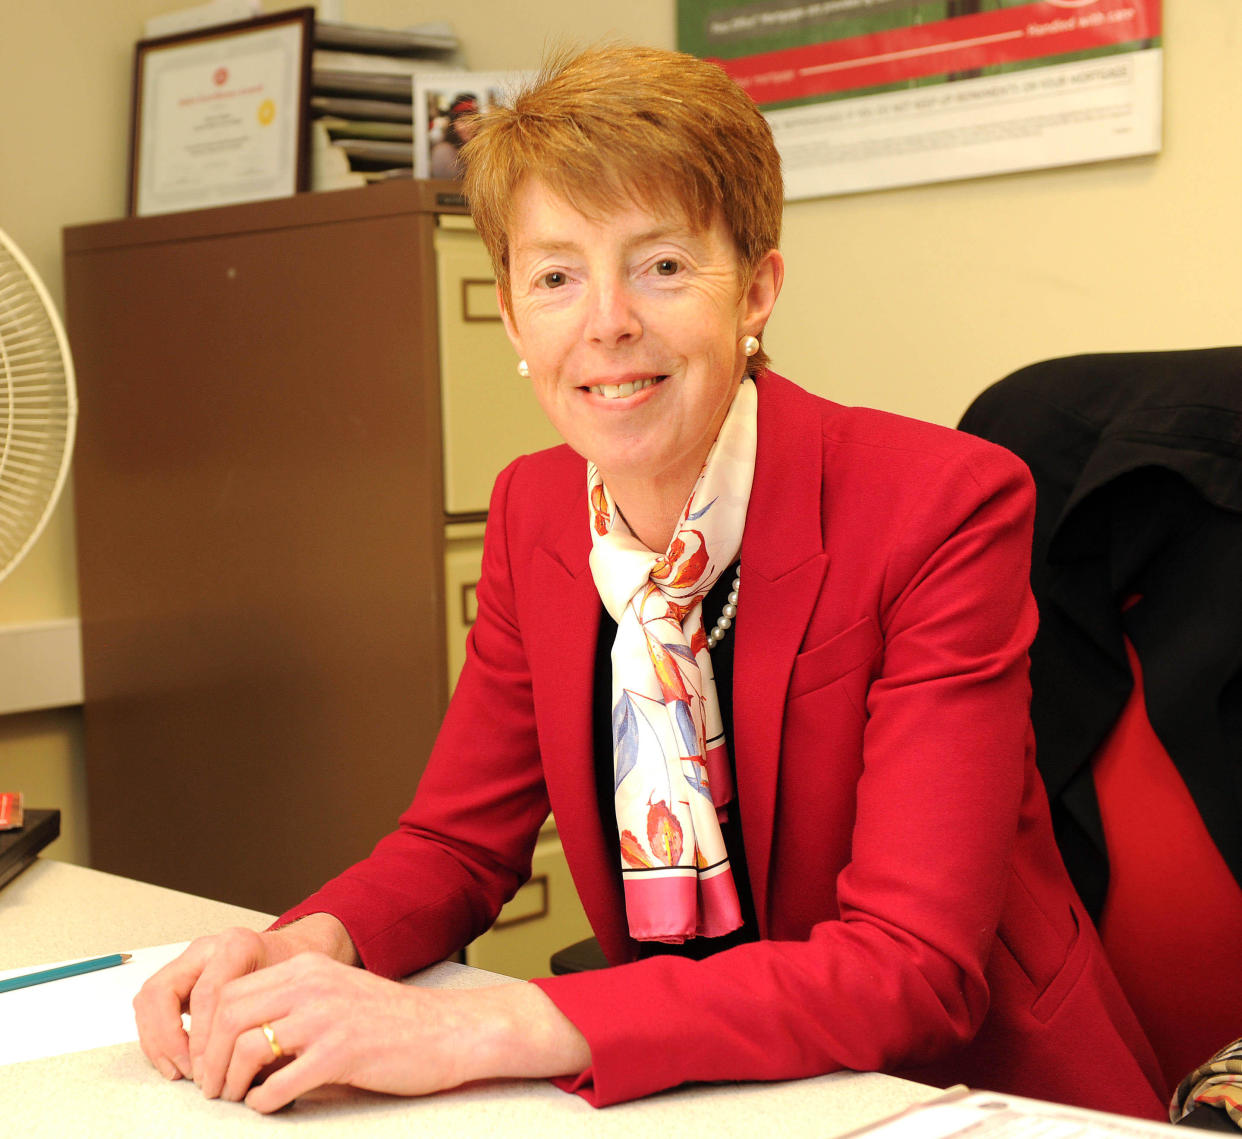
(844, 822)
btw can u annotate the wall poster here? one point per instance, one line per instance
(867, 94)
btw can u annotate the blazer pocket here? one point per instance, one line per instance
(836, 657)
(1048, 947)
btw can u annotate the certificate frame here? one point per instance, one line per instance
(221, 114)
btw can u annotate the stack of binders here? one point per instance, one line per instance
(20, 845)
(362, 105)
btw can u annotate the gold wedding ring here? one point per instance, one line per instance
(272, 1042)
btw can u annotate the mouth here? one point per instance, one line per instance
(626, 387)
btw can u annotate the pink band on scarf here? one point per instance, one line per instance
(650, 896)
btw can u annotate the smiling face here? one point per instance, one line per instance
(631, 326)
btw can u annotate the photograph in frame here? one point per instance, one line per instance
(220, 114)
(445, 105)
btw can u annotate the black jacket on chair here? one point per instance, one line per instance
(1137, 459)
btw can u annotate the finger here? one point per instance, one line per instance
(166, 1046)
(232, 955)
(157, 1013)
(243, 1005)
(310, 1070)
(252, 1054)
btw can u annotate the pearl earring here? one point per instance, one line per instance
(750, 345)
(523, 369)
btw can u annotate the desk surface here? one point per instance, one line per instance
(55, 911)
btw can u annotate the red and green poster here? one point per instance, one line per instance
(864, 94)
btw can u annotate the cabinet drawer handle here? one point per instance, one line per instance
(478, 300)
(469, 603)
(537, 884)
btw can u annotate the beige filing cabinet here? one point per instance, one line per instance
(291, 416)
(490, 417)
(488, 413)
(545, 914)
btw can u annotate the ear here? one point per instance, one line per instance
(760, 296)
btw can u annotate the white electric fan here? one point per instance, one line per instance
(38, 405)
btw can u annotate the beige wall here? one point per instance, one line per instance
(64, 86)
(911, 300)
(914, 300)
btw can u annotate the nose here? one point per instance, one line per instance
(612, 319)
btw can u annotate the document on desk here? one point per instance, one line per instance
(988, 1115)
(76, 1013)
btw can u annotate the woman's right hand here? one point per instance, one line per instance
(192, 983)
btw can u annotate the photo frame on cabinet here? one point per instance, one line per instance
(446, 104)
(220, 114)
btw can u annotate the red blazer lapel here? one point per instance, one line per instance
(783, 566)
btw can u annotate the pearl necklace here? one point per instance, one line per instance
(721, 627)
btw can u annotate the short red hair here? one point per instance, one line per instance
(611, 126)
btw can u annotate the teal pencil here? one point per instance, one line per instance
(62, 971)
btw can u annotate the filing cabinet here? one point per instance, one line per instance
(489, 417)
(488, 412)
(291, 415)
(463, 557)
(545, 914)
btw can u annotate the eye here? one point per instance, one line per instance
(667, 267)
(553, 279)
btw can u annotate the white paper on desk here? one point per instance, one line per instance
(76, 1013)
(988, 1115)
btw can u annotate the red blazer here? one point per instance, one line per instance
(916, 917)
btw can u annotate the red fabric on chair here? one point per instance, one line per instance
(1172, 919)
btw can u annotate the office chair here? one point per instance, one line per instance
(1136, 671)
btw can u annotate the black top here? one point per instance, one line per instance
(722, 665)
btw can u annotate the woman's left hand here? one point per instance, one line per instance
(337, 1024)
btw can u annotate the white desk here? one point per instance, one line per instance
(55, 911)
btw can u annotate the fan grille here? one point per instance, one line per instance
(38, 405)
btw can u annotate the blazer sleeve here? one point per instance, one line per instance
(463, 847)
(894, 977)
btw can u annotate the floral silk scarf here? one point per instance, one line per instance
(670, 764)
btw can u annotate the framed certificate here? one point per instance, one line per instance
(220, 114)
